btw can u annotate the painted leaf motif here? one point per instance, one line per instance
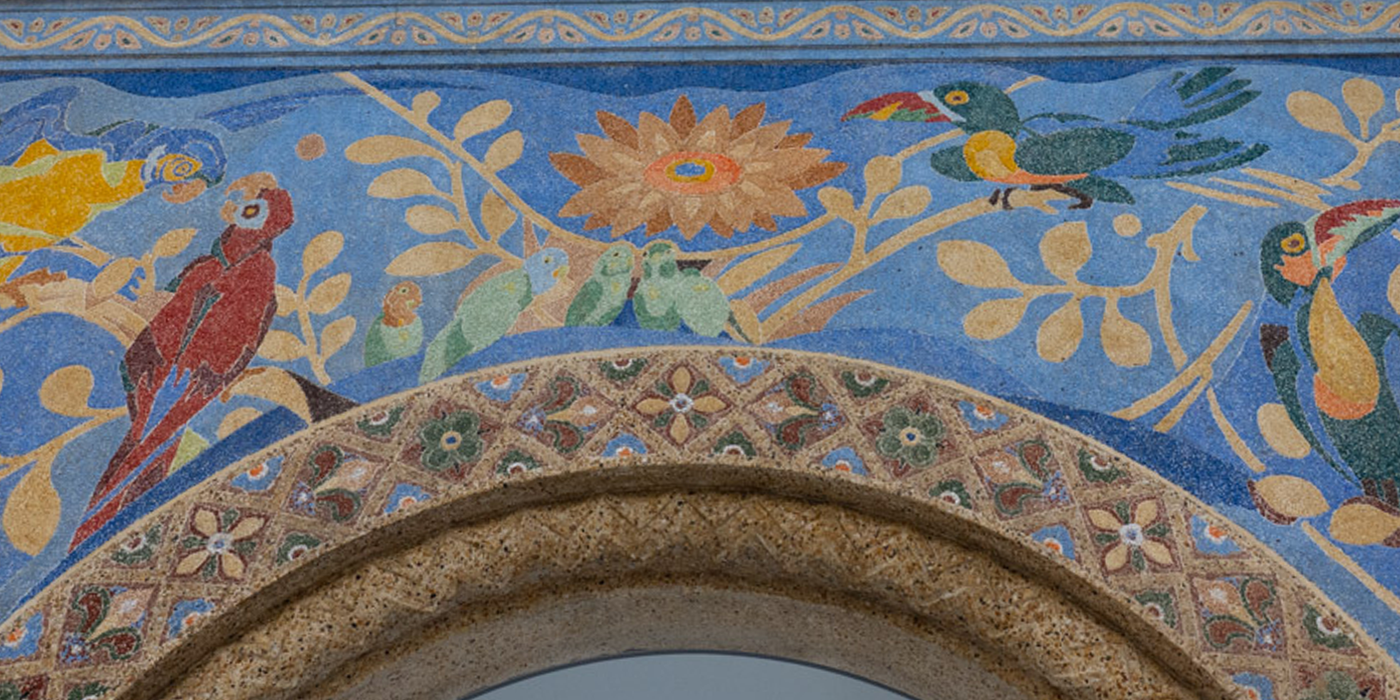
(1315, 112)
(1278, 430)
(400, 183)
(336, 334)
(329, 294)
(481, 119)
(271, 384)
(1290, 496)
(383, 149)
(66, 391)
(31, 513)
(281, 346)
(1126, 343)
(1065, 248)
(113, 277)
(838, 202)
(882, 174)
(974, 264)
(1392, 289)
(1060, 333)
(764, 296)
(319, 253)
(237, 418)
(505, 151)
(747, 321)
(755, 268)
(1365, 98)
(904, 204)
(993, 319)
(173, 242)
(428, 259)
(816, 316)
(430, 220)
(425, 102)
(496, 215)
(1361, 523)
(286, 300)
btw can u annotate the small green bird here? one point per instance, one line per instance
(486, 314)
(668, 295)
(397, 331)
(1077, 154)
(602, 297)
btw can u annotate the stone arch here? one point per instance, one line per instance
(425, 541)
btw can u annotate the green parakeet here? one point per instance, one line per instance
(668, 295)
(491, 309)
(602, 297)
(397, 331)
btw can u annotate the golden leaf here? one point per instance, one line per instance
(1060, 332)
(336, 334)
(174, 242)
(974, 264)
(328, 295)
(281, 346)
(1124, 341)
(237, 418)
(271, 384)
(382, 149)
(66, 391)
(1290, 496)
(1065, 248)
(1365, 98)
(747, 321)
(1362, 524)
(1392, 289)
(903, 203)
(1127, 225)
(287, 301)
(764, 296)
(425, 102)
(496, 215)
(882, 174)
(31, 513)
(838, 201)
(481, 119)
(431, 259)
(1278, 430)
(319, 253)
(430, 220)
(400, 183)
(113, 277)
(816, 316)
(993, 319)
(505, 151)
(1315, 112)
(755, 268)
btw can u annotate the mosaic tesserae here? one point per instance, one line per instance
(1194, 262)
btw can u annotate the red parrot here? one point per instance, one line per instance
(196, 346)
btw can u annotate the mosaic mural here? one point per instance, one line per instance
(1195, 262)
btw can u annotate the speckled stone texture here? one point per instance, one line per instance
(451, 538)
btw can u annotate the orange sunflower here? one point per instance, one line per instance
(727, 173)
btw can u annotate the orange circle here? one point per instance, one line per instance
(718, 172)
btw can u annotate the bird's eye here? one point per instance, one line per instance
(403, 290)
(956, 97)
(1294, 244)
(548, 260)
(252, 215)
(250, 211)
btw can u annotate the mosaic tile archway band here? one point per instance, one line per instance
(1179, 581)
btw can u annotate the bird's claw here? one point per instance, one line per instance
(251, 185)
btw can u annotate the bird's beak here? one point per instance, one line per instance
(561, 273)
(251, 185)
(902, 107)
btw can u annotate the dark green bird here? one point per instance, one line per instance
(1076, 154)
(601, 298)
(1355, 405)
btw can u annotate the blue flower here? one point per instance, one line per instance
(980, 418)
(845, 459)
(23, 640)
(258, 477)
(624, 445)
(185, 613)
(1211, 539)
(1057, 539)
(502, 388)
(405, 495)
(743, 369)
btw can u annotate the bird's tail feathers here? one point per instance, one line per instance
(1103, 189)
(139, 471)
(1200, 156)
(1186, 100)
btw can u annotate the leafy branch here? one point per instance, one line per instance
(1365, 99)
(283, 346)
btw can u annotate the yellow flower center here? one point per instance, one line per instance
(692, 172)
